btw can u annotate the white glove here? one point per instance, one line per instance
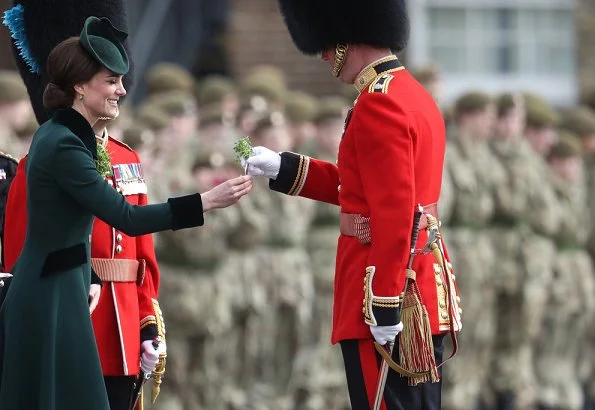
(385, 334)
(263, 162)
(150, 356)
(94, 294)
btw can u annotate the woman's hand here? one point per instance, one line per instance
(226, 193)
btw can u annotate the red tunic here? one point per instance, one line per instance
(124, 307)
(390, 159)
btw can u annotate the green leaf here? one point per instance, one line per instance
(243, 148)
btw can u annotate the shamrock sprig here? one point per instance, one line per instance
(243, 149)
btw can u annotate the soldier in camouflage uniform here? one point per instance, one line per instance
(542, 120)
(571, 307)
(581, 121)
(470, 166)
(521, 286)
(201, 298)
(326, 365)
(285, 268)
(429, 77)
(156, 169)
(266, 86)
(181, 140)
(220, 91)
(300, 110)
(165, 77)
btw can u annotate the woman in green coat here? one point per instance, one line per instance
(49, 357)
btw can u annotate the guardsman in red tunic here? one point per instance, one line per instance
(126, 318)
(390, 161)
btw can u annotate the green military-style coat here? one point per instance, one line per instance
(49, 356)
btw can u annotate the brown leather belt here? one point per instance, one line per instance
(116, 270)
(359, 226)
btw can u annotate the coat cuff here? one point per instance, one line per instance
(379, 310)
(292, 174)
(187, 211)
(95, 280)
(149, 332)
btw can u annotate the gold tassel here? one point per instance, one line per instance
(416, 348)
(157, 376)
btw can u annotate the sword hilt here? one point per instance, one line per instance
(414, 233)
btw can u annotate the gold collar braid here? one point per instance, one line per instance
(373, 70)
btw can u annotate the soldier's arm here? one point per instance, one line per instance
(307, 177)
(384, 147)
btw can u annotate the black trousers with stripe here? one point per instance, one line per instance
(362, 364)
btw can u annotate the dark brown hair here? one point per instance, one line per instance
(67, 65)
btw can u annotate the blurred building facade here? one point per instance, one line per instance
(498, 45)
(495, 45)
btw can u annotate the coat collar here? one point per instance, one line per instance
(376, 69)
(79, 126)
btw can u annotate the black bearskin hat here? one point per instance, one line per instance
(317, 25)
(37, 26)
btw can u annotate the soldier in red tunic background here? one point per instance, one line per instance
(390, 161)
(126, 318)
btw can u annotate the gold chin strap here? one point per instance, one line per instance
(340, 57)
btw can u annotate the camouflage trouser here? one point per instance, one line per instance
(524, 265)
(472, 255)
(322, 250)
(559, 359)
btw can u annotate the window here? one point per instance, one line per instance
(497, 45)
(502, 40)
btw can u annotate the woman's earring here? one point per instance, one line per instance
(81, 97)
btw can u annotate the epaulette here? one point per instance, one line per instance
(380, 84)
(8, 156)
(120, 143)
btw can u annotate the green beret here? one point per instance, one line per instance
(270, 87)
(269, 72)
(471, 102)
(163, 77)
(300, 107)
(580, 121)
(253, 103)
(104, 42)
(214, 89)
(333, 107)
(269, 120)
(175, 103)
(154, 117)
(211, 114)
(12, 87)
(210, 159)
(540, 113)
(568, 145)
(507, 102)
